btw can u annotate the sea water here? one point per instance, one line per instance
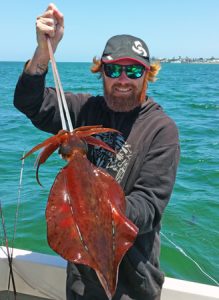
(189, 93)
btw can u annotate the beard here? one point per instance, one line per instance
(122, 103)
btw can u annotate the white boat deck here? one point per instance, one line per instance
(42, 277)
(5, 295)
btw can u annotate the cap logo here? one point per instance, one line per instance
(139, 49)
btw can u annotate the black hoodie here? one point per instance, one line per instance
(145, 166)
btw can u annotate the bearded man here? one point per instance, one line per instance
(147, 150)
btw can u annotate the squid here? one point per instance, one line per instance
(85, 213)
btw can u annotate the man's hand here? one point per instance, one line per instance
(50, 23)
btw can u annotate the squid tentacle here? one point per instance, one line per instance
(50, 140)
(43, 156)
(95, 142)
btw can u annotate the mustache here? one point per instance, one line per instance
(119, 85)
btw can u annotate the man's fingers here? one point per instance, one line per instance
(59, 17)
(51, 17)
(51, 6)
(52, 11)
(46, 21)
(47, 30)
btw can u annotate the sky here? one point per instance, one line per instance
(170, 28)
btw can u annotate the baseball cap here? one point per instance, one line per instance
(126, 47)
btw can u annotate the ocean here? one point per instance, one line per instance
(189, 93)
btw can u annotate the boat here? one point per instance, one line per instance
(40, 276)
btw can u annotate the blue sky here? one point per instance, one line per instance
(169, 27)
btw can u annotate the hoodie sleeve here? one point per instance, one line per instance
(40, 104)
(154, 184)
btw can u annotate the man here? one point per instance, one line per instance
(147, 153)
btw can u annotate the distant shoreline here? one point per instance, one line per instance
(195, 63)
(187, 60)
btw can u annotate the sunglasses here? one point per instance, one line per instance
(131, 71)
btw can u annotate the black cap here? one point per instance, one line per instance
(126, 47)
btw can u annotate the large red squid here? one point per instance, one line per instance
(86, 222)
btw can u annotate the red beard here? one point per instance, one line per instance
(122, 103)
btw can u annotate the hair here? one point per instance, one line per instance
(150, 75)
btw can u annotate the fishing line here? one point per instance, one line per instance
(18, 204)
(190, 258)
(16, 215)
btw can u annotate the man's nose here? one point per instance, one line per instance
(123, 77)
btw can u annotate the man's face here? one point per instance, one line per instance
(122, 94)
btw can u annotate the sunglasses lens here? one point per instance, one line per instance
(112, 70)
(134, 71)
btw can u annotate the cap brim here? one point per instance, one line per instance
(125, 58)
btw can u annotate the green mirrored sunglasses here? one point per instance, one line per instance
(131, 71)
